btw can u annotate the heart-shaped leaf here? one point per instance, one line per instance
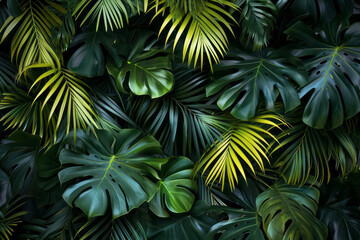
(145, 70)
(175, 185)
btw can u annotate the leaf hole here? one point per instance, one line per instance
(287, 225)
(323, 62)
(357, 60)
(347, 76)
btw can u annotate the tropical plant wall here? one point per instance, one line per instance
(180, 119)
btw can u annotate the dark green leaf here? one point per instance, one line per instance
(251, 74)
(333, 63)
(112, 174)
(287, 212)
(175, 188)
(88, 59)
(17, 156)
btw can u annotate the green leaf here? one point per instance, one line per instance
(111, 12)
(31, 42)
(59, 222)
(322, 11)
(146, 70)
(338, 207)
(112, 174)
(88, 59)
(25, 113)
(7, 74)
(303, 152)
(14, 7)
(65, 94)
(10, 218)
(125, 227)
(201, 24)
(251, 74)
(17, 157)
(239, 224)
(185, 226)
(288, 212)
(334, 68)
(257, 20)
(175, 188)
(5, 189)
(241, 148)
(183, 120)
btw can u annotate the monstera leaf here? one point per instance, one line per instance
(145, 70)
(175, 187)
(333, 63)
(338, 207)
(17, 157)
(88, 59)
(239, 224)
(322, 11)
(185, 226)
(287, 212)
(250, 74)
(112, 174)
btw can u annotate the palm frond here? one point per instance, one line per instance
(66, 94)
(7, 74)
(307, 151)
(257, 20)
(181, 116)
(27, 114)
(10, 218)
(125, 227)
(111, 12)
(31, 42)
(245, 142)
(202, 23)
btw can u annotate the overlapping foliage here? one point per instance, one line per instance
(179, 119)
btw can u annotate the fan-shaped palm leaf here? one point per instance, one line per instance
(181, 116)
(244, 142)
(201, 23)
(257, 20)
(65, 92)
(10, 217)
(126, 227)
(31, 42)
(24, 113)
(7, 74)
(308, 151)
(111, 12)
